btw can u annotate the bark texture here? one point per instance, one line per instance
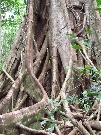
(36, 69)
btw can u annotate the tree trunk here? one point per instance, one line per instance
(44, 64)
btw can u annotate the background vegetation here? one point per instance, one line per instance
(11, 13)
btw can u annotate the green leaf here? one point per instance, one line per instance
(44, 122)
(89, 31)
(56, 104)
(98, 1)
(58, 109)
(49, 101)
(67, 68)
(85, 92)
(73, 40)
(86, 107)
(81, 72)
(88, 67)
(89, 93)
(86, 42)
(39, 116)
(100, 39)
(70, 35)
(80, 68)
(99, 96)
(52, 128)
(52, 112)
(66, 99)
(99, 9)
(25, 1)
(98, 71)
(77, 47)
(94, 69)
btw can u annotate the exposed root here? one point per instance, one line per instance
(42, 75)
(7, 74)
(39, 56)
(53, 53)
(85, 53)
(4, 105)
(55, 80)
(34, 131)
(19, 104)
(76, 123)
(95, 124)
(89, 128)
(74, 131)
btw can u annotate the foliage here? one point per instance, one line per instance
(85, 102)
(12, 12)
(99, 5)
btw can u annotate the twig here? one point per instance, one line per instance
(85, 53)
(3, 69)
(84, 23)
